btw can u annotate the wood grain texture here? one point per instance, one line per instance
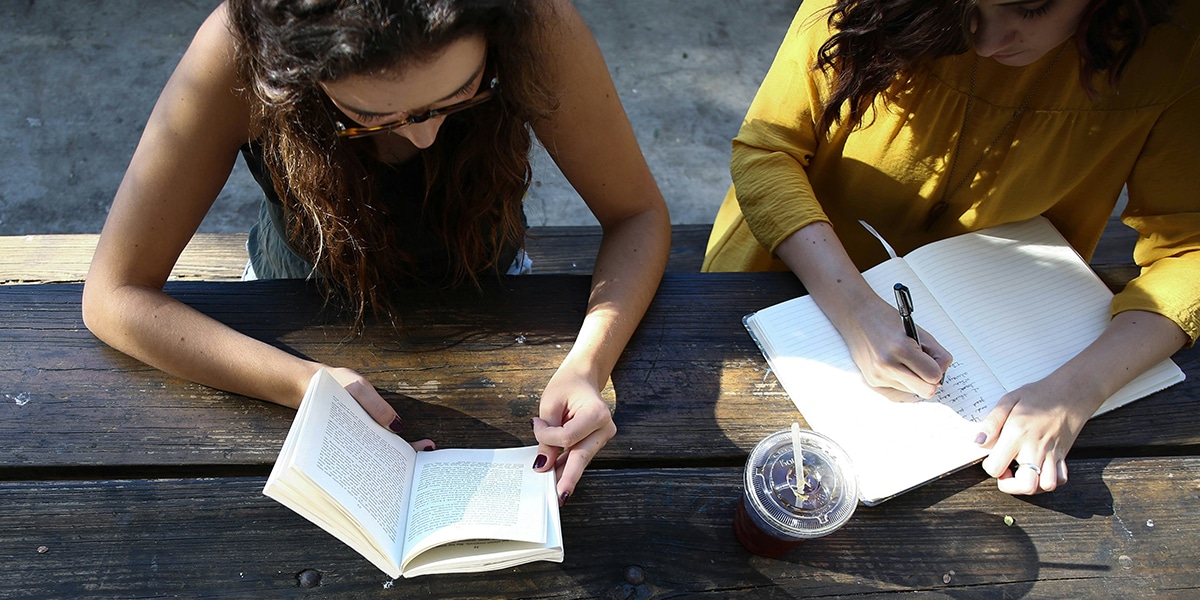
(1125, 530)
(138, 484)
(470, 368)
(64, 258)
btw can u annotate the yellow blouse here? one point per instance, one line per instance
(1067, 157)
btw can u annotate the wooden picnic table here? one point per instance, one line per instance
(117, 480)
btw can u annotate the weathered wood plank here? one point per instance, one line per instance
(472, 370)
(1116, 244)
(572, 250)
(1126, 529)
(64, 258)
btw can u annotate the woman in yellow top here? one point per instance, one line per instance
(930, 119)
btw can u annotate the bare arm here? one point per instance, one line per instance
(592, 142)
(183, 159)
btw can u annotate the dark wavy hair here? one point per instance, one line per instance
(476, 172)
(877, 41)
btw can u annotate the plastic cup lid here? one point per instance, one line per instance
(825, 497)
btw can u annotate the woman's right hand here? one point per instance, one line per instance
(368, 398)
(871, 327)
(886, 356)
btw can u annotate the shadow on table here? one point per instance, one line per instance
(1084, 496)
(692, 549)
(692, 387)
(930, 551)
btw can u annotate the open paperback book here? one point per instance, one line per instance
(412, 513)
(1012, 303)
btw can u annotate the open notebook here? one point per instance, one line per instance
(1012, 303)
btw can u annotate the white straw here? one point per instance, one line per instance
(798, 454)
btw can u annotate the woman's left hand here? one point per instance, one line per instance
(1033, 426)
(589, 121)
(1036, 424)
(574, 425)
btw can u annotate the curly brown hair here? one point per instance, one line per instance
(877, 41)
(476, 173)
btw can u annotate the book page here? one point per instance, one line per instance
(894, 441)
(476, 555)
(476, 494)
(291, 487)
(1024, 299)
(362, 466)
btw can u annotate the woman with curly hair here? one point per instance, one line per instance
(928, 119)
(391, 139)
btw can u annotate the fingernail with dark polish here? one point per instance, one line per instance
(533, 423)
(540, 461)
(563, 498)
(981, 438)
(397, 425)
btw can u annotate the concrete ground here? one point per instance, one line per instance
(79, 78)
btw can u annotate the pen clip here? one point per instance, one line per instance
(903, 300)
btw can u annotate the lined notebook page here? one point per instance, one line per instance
(895, 443)
(1035, 306)
(1021, 295)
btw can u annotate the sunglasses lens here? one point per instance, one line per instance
(357, 132)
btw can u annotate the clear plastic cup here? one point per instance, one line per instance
(778, 510)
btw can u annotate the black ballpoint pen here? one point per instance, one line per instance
(905, 305)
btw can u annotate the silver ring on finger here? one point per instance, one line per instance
(1032, 467)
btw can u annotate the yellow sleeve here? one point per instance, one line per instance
(778, 138)
(1164, 207)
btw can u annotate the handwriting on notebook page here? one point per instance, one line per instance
(960, 392)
